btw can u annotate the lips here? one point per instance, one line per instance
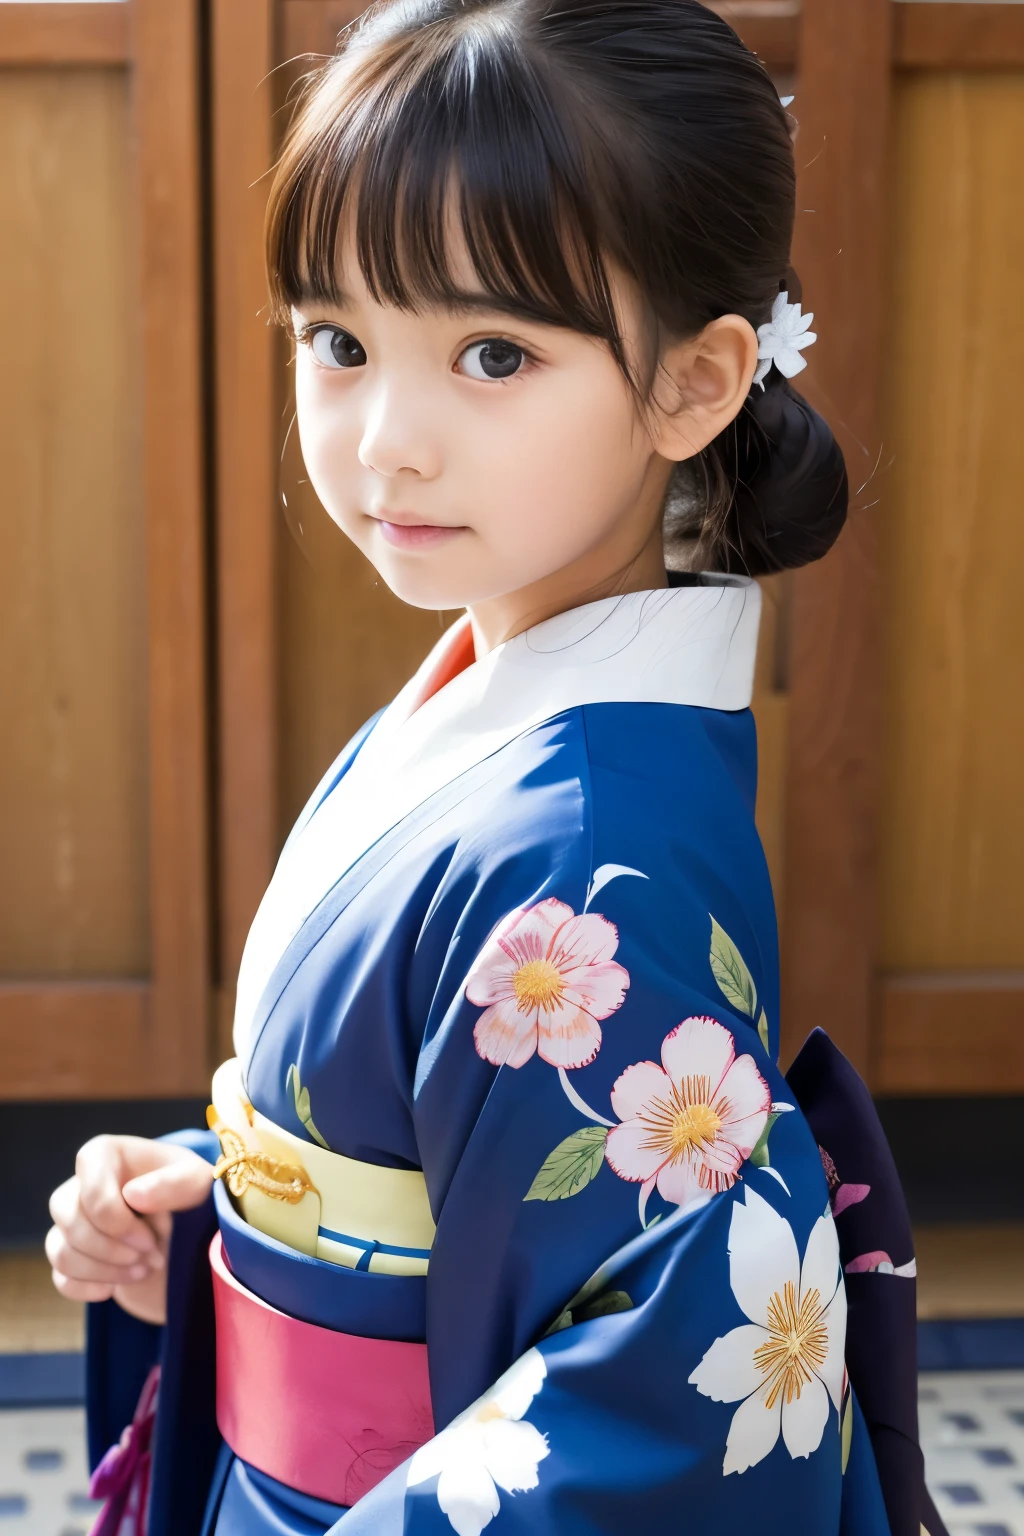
(402, 534)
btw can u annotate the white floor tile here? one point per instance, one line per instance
(43, 1476)
(972, 1433)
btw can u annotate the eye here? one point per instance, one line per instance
(492, 359)
(336, 348)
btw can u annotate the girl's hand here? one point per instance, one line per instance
(112, 1221)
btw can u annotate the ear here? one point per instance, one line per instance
(701, 386)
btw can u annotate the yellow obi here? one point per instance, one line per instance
(316, 1201)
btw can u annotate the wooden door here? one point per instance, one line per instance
(903, 821)
(104, 908)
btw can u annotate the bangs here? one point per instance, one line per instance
(435, 164)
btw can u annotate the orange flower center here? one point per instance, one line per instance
(696, 1125)
(537, 984)
(686, 1121)
(797, 1342)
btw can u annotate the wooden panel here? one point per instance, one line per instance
(966, 36)
(77, 1041)
(953, 842)
(166, 80)
(770, 28)
(970, 35)
(958, 1033)
(830, 861)
(75, 33)
(73, 772)
(968, 1270)
(248, 436)
(312, 26)
(34, 1317)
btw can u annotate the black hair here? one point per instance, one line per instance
(561, 136)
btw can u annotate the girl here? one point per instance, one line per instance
(515, 1218)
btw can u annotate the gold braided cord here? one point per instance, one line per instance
(241, 1169)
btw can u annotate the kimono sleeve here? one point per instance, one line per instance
(636, 1315)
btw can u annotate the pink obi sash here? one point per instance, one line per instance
(329, 1414)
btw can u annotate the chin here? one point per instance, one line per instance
(423, 589)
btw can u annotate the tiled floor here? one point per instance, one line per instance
(43, 1477)
(972, 1431)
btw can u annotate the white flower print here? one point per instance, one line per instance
(782, 339)
(486, 1448)
(784, 1365)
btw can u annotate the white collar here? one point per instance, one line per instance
(680, 645)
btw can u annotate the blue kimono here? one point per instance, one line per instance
(523, 940)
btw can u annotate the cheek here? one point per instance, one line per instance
(328, 437)
(571, 464)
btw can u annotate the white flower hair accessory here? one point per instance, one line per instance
(782, 339)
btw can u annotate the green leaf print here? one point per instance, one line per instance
(571, 1166)
(762, 1030)
(759, 1156)
(605, 1305)
(730, 971)
(300, 1096)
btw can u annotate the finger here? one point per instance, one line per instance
(68, 1216)
(178, 1186)
(78, 1266)
(80, 1290)
(101, 1173)
(147, 1300)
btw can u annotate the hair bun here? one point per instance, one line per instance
(788, 484)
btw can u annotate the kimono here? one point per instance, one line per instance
(519, 1222)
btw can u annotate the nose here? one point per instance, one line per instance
(397, 434)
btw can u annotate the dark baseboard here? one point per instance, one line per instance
(962, 1344)
(41, 1140)
(958, 1158)
(971, 1344)
(41, 1381)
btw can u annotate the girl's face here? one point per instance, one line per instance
(471, 454)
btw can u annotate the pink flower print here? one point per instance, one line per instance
(691, 1123)
(546, 976)
(841, 1195)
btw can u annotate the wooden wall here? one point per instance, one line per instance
(952, 820)
(104, 778)
(900, 818)
(194, 641)
(73, 774)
